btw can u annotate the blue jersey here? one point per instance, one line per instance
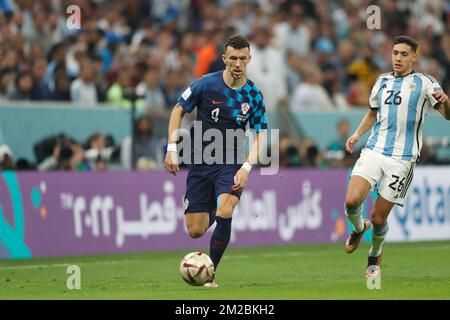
(225, 109)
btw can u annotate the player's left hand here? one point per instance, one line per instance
(240, 180)
(440, 96)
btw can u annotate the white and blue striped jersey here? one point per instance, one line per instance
(402, 104)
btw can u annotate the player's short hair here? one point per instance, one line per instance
(237, 42)
(410, 41)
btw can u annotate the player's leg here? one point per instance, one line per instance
(226, 203)
(199, 203)
(196, 223)
(394, 189)
(222, 233)
(380, 214)
(356, 194)
(357, 191)
(365, 174)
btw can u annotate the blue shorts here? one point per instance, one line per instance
(204, 185)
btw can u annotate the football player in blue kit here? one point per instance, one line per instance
(226, 101)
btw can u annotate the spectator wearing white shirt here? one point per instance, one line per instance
(155, 105)
(430, 18)
(268, 69)
(293, 35)
(82, 89)
(310, 95)
(150, 89)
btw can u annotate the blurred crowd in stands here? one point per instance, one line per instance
(307, 55)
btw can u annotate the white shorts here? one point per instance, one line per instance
(392, 177)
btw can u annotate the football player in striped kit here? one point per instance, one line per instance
(398, 102)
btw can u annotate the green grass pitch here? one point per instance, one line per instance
(418, 270)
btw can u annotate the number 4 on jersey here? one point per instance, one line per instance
(215, 114)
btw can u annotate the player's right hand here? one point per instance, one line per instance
(171, 162)
(240, 180)
(351, 142)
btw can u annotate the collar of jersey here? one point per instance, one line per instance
(412, 72)
(239, 88)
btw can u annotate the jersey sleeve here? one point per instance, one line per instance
(258, 120)
(191, 97)
(431, 87)
(373, 100)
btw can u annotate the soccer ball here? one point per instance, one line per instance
(196, 268)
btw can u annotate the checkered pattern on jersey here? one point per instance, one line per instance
(251, 95)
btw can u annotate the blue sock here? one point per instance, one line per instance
(219, 240)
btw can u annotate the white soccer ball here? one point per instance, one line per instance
(196, 268)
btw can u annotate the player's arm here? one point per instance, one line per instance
(369, 119)
(241, 177)
(188, 100)
(443, 104)
(367, 122)
(258, 122)
(171, 161)
(256, 147)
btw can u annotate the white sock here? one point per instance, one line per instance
(378, 235)
(354, 216)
